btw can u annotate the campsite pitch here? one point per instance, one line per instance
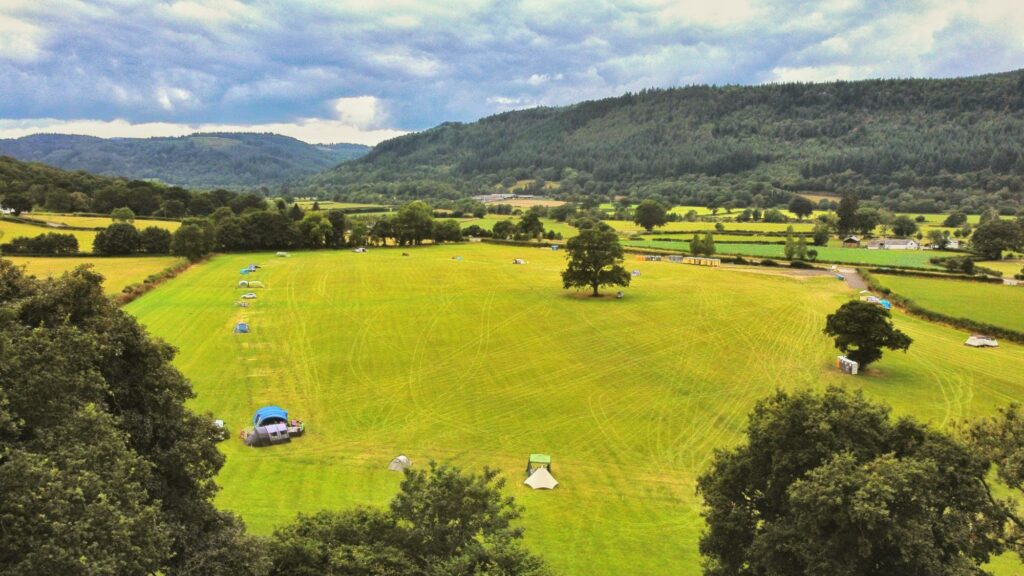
(476, 361)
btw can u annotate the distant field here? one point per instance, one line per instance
(912, 258)
(624, 226)
(994, 304)
(102, 222)
(528, 202)
(117, 272)
(1008, 267)
(332, 205)
(479, 362)
(12, 230)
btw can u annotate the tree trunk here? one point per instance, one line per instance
(595, 294)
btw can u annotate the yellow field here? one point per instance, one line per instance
(103, 221)
(11, 230)
(117, 272)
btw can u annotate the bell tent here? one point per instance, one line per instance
(541, 479)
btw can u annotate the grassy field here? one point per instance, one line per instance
(117, 272)
(1007, 267)
(479, 362)
(332, 205)
(913, 258)
(624, 226)
(12, 230)
(101, 221)
(994, 304)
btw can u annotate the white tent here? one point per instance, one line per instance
(978, 341)
(541, 479)
(399, 463)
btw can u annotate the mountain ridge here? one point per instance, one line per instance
(230, 160)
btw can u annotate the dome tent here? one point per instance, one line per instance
(242, 328)
(399, 463)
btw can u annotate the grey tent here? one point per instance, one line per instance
(399, 463)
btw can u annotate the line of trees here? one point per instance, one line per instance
(49, 244)
(285, 228)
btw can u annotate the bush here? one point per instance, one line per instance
(801, 265)
(767, 262)
(117, 240)
(50, 244)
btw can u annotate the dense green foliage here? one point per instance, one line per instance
(829, 484)
(214, 160)
(25, 185)
(595, 260)
(104, 470)
(908, 145)
(50, 243)
(441, 522)
(862, 329)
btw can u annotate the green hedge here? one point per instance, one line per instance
(963, 323)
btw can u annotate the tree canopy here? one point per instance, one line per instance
(830, 484)
(861, 329)
(595, 260)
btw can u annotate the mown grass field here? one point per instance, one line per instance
(101, 221)
(994, 304)
(11, 230)
(117, 272)
(480, 362)
(912, 258)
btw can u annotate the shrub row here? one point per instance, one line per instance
(962, 323)
(938, 275)
(134, 291)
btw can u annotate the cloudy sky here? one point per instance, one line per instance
(365, 70)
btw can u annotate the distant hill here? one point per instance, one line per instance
(927, 145)
(210, 160)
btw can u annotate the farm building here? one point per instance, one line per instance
(851, 242)
(980, 341)
(893, 244)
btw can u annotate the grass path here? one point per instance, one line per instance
(479, 362)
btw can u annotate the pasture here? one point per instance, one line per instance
(911, 258)
(480, 362)
(101, 221)
(994, 304)
(117, 272)
(11, 230)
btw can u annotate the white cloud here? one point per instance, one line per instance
(400, 59)
(538, 79)
(19, 41)
(821, 73)
(171, 98)
(706, 13)
(311, 130)
(360, 111)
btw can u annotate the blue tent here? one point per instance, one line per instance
(245, 271)
(270, 415)
(886, 304)
(241, 328)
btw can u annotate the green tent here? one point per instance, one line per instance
(538, 461)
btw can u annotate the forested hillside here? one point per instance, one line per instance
(25, 185)
(213, 160)
(913, 145)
